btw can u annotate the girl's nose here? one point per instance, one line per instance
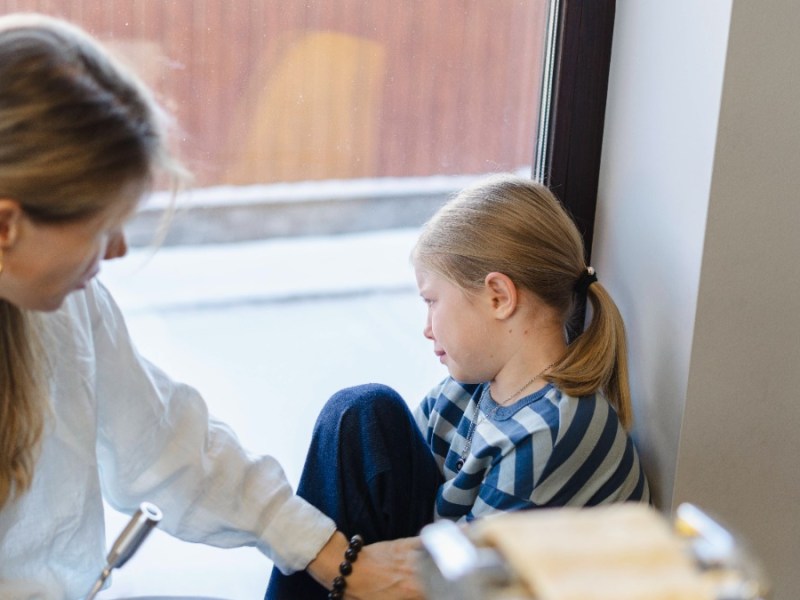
(428, 331)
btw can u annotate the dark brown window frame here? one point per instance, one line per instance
(571, 145)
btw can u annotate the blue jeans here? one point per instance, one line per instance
(370, 470)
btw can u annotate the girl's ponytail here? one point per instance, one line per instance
(597, 359)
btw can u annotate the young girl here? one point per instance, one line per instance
(82, 416)
(524, 420)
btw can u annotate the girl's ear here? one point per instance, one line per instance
(10, 213)
(502, 294)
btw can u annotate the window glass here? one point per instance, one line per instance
(289, 91)
(270, 92)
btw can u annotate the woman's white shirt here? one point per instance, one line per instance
(120, 428)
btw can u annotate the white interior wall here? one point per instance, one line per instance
(697, 238)
(665, 84)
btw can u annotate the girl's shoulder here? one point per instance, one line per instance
(557, 409)
(560, 398)
(581, 414)
(451, 391)
(449, 399)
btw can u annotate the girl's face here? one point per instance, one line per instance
(458, 325)
(43, 262)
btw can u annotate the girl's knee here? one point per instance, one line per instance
(367, 395)
(367, 401)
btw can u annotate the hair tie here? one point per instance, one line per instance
(587, 278)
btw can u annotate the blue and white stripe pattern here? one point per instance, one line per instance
(547, 449)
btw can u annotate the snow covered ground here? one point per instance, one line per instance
(267, 331)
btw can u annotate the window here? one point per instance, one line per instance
(273, 93)
(569, 158)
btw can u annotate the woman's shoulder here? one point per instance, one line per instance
(92, 299)
(74, 313)
(82, 312)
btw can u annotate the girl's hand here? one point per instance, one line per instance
(382, 571)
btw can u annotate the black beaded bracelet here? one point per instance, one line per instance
(350, 556)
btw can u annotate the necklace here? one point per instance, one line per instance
(478, 417)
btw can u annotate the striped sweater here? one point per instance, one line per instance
(546, 449)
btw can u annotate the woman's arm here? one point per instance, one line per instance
(156, 442)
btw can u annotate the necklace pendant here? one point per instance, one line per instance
(459, 464)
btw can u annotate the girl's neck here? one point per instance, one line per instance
(533, 384)
(525, 371)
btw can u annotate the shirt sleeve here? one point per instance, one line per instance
(157, 443)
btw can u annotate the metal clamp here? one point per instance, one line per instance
(127, 543)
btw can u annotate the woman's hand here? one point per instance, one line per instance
(382, 571)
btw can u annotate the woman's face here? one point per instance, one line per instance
(43, 262)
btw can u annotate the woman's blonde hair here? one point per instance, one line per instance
(75, 129)
(515, 226)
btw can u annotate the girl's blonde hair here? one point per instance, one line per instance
(75, 129)
(515, 226)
